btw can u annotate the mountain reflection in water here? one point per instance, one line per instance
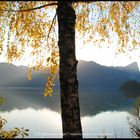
(103, 112)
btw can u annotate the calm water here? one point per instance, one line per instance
(103, 112)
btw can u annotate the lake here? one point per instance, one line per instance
(103, 112)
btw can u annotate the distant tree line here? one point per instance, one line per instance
(131, 89)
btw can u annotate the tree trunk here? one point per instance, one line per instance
(70, 110)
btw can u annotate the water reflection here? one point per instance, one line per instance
(47, 123)
(22, 98)
(103, 113)
(91, 103)
(112, 124)
(41, 123)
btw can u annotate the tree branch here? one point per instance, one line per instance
(135, 8)
(51, 27)
(27, 10)
(128, 11)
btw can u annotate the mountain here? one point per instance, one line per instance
(132, 70)
(133, 67)
(93, 75)
(16, 76)
(90, 75)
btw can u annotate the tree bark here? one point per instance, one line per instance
(70, 110)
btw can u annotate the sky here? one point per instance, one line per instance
(106, 56)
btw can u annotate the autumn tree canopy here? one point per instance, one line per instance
(29, 28)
